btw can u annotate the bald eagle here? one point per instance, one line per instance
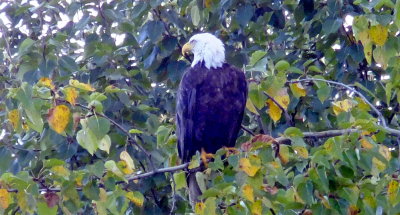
(210, 102)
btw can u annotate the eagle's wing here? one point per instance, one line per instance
(185, 109)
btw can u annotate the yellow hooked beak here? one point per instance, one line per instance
(186, 48)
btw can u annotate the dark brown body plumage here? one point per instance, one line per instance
(210, 107)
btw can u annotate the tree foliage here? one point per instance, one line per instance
(87, 96)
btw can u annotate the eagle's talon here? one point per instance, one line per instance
(231, 151)
(205, 157)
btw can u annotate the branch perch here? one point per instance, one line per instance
(321, 134)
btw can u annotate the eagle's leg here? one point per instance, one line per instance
(231, 151)
(205, 157)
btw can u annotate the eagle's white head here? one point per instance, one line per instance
(207, 48)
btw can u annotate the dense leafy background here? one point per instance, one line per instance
(128, 52)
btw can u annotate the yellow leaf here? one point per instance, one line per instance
(393, 189)
(364, 37)
(71, 94)
(199, 208)
(136, 197)
(22, 201)
(60, 170)
(103, 195)
(208, 3)
(112, 89)
(384, 151)
(82, 86)
(4, 198)
(368, 52)
(370, 201)
(274, 111)
(250, 165)
(366, 144)
(123, 166)
(378, 34)
(298, 90)
(250, 106)
(301, 151)
(378, 164)
(353, 210)
(128, 160)
(14, 117)
(284, 153)
(329, 145)
(282, 98)
(78, 180)
(274, 164)
(248, 192)
(342, 106)
(59, 117)
(256, 208)
(25, 126)
(46, 82)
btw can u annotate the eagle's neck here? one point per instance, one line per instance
(212, 57)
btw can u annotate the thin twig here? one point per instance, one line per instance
(247, 130)
(380, 116)
(287, 116)
(173, 194)
(321, 134)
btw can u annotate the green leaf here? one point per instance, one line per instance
(331, 25)
(135, 131)
(43, 209)
(97, 96)
(91, 191)
(96, 169)
(111, 166)
(24, 95)
(359, 85)
(305, 190)
(256, 96)
(68, 64)
(256, 56)
(244, 14)
(195, 14)
(323, 178)
(99, 126)
(25, 46)
(323, 93)
(105, 144)
(53, 162)
(162, 134)
(293, 132)
(180, 180)
(282, 65)
(314, 69)
(396, 17)
(87, 139)
(388, 92)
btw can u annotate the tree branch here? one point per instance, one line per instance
(321, 134)
(281, 140)
(380, 116)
